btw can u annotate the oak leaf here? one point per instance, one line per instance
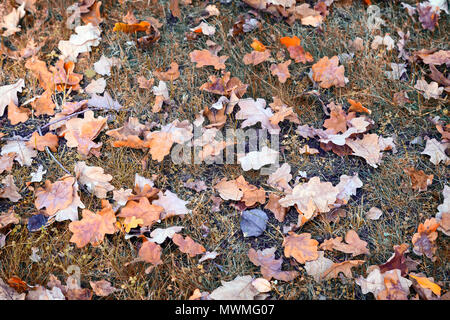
(187, 245)
(424, 240)
(436, 151)
(94, 179)
(419, 180)
(8, 94)
(23, 153)
(240, 288)
(206, 58)
(10, 191)
(353, 245)
(142, 209)
(55, 196)
(93, 227)
(301, 247)
(327, 72)
(170, 75)
(39, 142)
(281, 71)
(150, 252)
(102, 288)
(344, 267)
(256, 57)
(17, 114)
(270, 267)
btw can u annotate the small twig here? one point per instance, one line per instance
(52, 156)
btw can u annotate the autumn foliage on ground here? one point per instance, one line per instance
(95, 96)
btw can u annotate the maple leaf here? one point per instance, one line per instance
(23, 153)
(301, 247)
(270, 267)
(436, 151)
(187, 245)
(170, 75)
(39, 142)
(150, 252)
(240, 288)
(10, 191)
(94, 179)
(327, 72)
(8, 94)
(93, 227)
(206, 58)
(311, 197)
(353, 245)
(142, 209)
(80, 133)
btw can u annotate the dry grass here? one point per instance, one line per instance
(179, 275)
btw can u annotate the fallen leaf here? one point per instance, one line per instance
(170, 75)
(8, 94)
(317, 267)
(270, 267)
(150, 252)
(240, 288)
(301, 247)
(374, 213)
(187, 245)
(206, 58)
(436, 151)
(327, 72)
(102, 288)
(281, 71)
(353, 245)
(17, 114)
(253, 222)
(93, 227)
(39, 142)
(419, 180)
(344, 267)
(94, 179)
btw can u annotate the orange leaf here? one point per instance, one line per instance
(55, 196)
(427, 284)
(132, 28)
(170, 75)
(187, 245)
(93, 227)
(150, 252)
(357, 107)
(16, 114)
(40, 142)
(206, 58)
(288, 42)
(148, 213)
(258, 46)
(301, 247)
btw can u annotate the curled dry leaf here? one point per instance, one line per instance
(317, 267)
(275, 207)
(301, 247)
(84, 38)
(150, 252)
(8, 94)
(7, 161)
(424, 240)
(436, 151)
(344, 267)
(102, 288)
(160, 235)
(94, 179)
(24, 154)
(254, 111)
(187, 245)
(255, 160)
(172, 205)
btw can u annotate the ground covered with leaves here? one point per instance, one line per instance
(351, 201)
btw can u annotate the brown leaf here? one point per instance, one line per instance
(270, 267)
(94, 179)
(206, 58)
(344, 267)
(44, 104)
(7, 161)
(187, 245)
(419, 180)
(424, 240)
(143, 210)
(256, 57)
(281, 71)
(17, 114)
(170, 75)
(93, 227)
(301, 247)
(102, 288)
(397, 260)
(275, 207)
(327, 72)
(354, 244)
(150, 252)
(40, 142)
